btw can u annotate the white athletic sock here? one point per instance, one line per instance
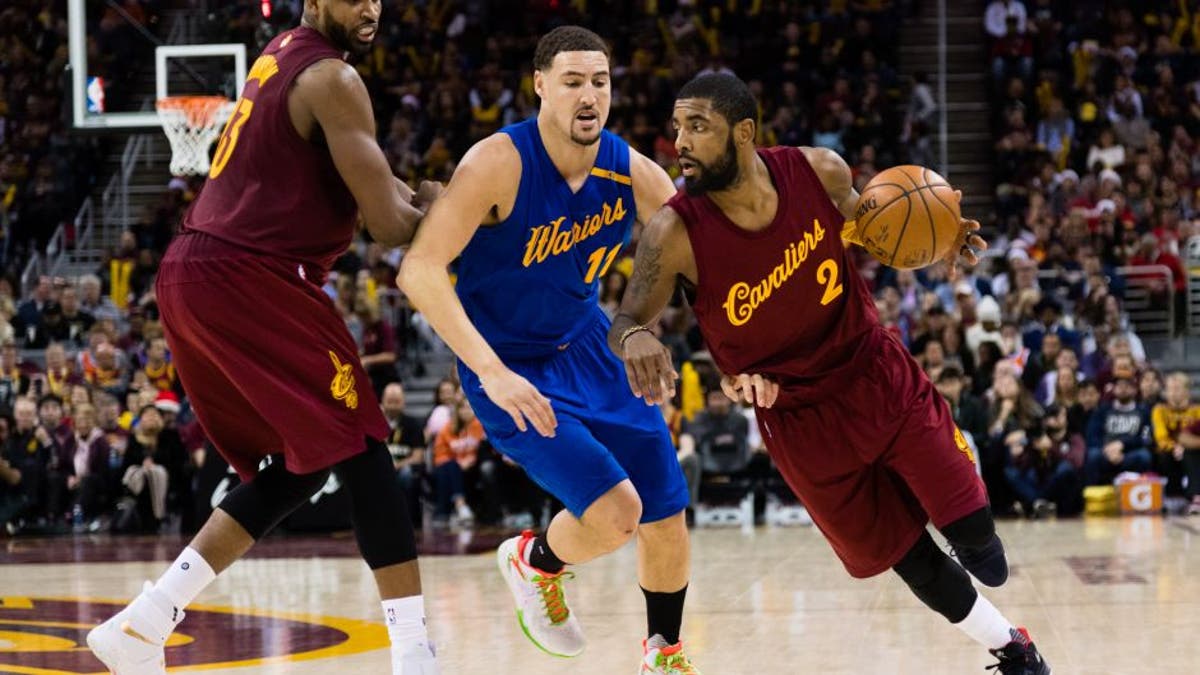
(185, 578)
(986, 625)
(405, 618)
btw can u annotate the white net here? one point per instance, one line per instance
(192, 123)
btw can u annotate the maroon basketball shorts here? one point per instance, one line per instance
(264, 357)
(876, 460)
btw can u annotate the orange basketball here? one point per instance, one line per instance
(908, 217)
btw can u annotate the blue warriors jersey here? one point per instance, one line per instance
(530, 283)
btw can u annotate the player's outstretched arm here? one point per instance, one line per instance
(487, 177)
(333, 93)
(664, 254)
(839, 183)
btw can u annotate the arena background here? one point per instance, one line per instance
(1070, 126)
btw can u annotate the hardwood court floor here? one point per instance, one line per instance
(1101, 597)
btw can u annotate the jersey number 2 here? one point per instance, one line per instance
(827, 274)
(598, 263)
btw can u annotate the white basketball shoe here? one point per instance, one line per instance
(129, 643)
(541, 604)
(417, 659)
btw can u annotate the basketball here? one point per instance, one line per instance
(908, 217)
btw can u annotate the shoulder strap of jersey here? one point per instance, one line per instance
(521, 134)
(612, 162)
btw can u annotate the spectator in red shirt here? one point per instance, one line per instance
(1151, 252)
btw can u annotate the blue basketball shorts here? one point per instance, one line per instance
(605, 434)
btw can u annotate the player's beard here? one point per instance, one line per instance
(342, 38)
(719, 175)
(585, 140)
(582, 140)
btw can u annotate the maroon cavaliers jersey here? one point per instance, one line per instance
(783, 301)
(269, 190)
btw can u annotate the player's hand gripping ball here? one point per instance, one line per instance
(909, 217)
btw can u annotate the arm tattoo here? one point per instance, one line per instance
(646, 270)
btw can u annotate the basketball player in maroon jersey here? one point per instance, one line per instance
(262, 352)
(857, 430)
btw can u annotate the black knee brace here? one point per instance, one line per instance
(978, 547)
(937, 580)
(378, 508)
(974, 530)
(259, 505)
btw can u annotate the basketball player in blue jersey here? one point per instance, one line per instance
(536, 214)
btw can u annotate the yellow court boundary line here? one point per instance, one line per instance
(361, 636)
(176, 639)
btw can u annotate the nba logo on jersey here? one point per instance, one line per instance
(95, 95)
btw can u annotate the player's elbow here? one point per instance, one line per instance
(414, 268)
(406, 276)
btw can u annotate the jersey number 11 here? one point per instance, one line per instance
(598, 263)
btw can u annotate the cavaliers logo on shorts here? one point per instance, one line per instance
(962, 444)
(342, 386)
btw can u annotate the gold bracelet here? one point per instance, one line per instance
(630, 331)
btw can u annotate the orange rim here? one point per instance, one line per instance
(199, 110)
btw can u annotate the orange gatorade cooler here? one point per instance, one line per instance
(1140, 493)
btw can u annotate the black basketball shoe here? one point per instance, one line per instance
(1019, 657)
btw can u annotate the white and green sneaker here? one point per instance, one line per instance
(541, 605)
(660, 658)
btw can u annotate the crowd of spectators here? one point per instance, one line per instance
(444, 76)
(1096, 106)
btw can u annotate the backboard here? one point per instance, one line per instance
(91, 112)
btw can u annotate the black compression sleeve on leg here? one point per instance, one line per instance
(974, 530)
(978, 547)
(259, 505)
(381, 523)
(937, 580)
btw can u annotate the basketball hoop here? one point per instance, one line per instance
(192, 123)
